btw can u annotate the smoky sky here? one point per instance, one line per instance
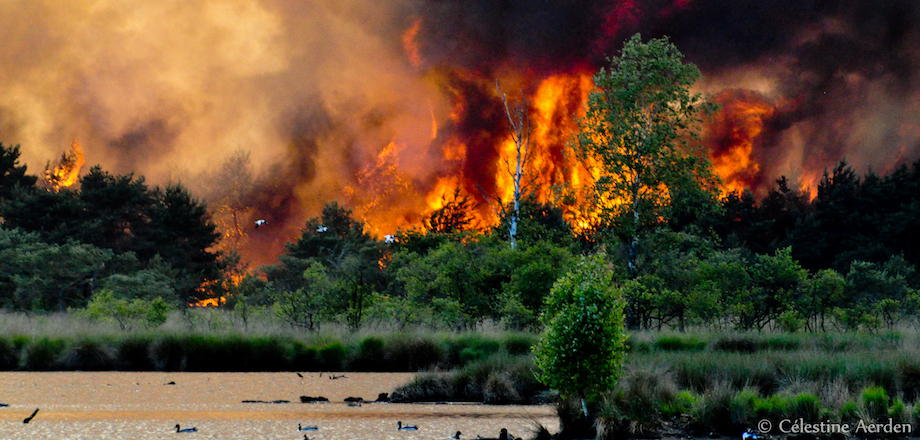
(314, 90)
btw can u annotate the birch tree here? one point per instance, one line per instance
(519, 122)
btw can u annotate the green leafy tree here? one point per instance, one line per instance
(581, 352)
(306, 307)
(639, 127)
(106, 306)
(351, 259)
(39, 276)
(455, 277)
(11, 173)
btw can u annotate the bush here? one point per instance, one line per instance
(332, 356)
(133, 354)
(9, 355)
(581, 350)
(43, 355)
(88, 355)
(370, 356)
(682, 403)
(875, 403)
(680, 343)
(409, 354)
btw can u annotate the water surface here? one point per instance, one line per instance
(128, 405)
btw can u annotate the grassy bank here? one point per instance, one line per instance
(722, 383)
(63, 342)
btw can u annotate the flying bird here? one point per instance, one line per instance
(260, 222)
(322, 228)
(29, 419)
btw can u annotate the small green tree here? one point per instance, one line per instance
(105, 306)
(581, 351)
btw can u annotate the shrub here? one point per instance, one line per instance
(909, 378)
(738, 344)
(429, 387)
(332, 356)
(133, 354)
(517, 344)
(406, 353)
(9, 355)
(581, 350)
(875, 402)
(43, 355)
(168, 354)
(682, 403)
(743, 410)
(680, 343)
(635, 406)
(805, 406)
(88, 355)
(714, 412)
(370, 356)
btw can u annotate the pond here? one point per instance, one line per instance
(148, 405)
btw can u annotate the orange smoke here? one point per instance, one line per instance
(410, 43)
(67, 170)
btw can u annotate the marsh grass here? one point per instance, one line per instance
(211, 340)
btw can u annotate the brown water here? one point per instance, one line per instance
(122, 405)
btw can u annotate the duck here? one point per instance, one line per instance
(186, 430)
(400, 427)
(749, 436)
(307, 428)
(29, 419)
(455, 436)
(502, 435)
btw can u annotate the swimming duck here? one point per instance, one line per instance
(455, 436)
(186, 430)
(400, 427)
(306, 428)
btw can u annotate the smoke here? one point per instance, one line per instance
(325, 97)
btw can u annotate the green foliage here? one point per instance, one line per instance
(35, 275)
(637, 126)
(581, 351)
(12, 174)
(147, 311)
(304, 307)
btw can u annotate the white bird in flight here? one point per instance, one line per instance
(321, 228)
(260, 222)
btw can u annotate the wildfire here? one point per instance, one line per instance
(733, 134)
(67, 170)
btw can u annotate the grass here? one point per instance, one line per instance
(189, 342)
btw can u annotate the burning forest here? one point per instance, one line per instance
(271, 108)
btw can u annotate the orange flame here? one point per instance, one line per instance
(733, 133)
(66, 172)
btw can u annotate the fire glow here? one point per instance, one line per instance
(390, 107)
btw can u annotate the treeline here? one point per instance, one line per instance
(122, 250)
(111, 233)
